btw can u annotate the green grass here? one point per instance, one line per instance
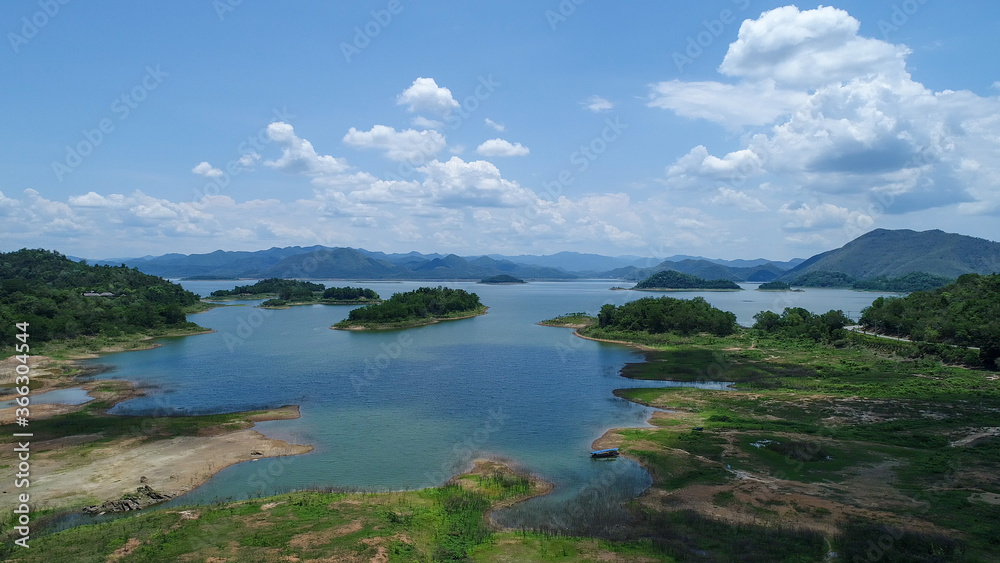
(439, 524)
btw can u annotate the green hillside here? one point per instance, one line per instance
(899, 252)
(62, 299)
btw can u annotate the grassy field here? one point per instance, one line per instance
(440, 524)
(852, 450)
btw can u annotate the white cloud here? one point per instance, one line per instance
(206, 169)
(808, 49)
(757, 103)
(828, 115)
(803, 217)
(457, 183)
(497, 126)
(736, 198)
(597, 104)
(424, 95)
(698, 162)
(298, 154)
(501, 147)
(409, 144)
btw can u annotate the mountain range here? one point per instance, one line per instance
(881, 252)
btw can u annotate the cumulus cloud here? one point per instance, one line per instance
(597, 104)
(501, 147)
(409, 144)
(698, 162)
(457, 183)
(298, 154)
(831, 116)
(424, 95)
(207, 170)
(808, 49)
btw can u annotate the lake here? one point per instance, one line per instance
(408, 409)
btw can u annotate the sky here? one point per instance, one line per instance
(726, 128)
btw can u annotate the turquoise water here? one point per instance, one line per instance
(408, 409)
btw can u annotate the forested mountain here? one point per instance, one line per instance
(702, 269)
(60, 298)
(896, 253)
(337, 263)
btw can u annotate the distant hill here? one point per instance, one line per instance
(702, 269)
(891, 254)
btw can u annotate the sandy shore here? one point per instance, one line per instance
(77, 470)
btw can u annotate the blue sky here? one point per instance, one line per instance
(730, 128)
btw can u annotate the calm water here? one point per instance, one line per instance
(408, 409)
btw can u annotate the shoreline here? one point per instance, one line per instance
(99, 465)
(434, 320)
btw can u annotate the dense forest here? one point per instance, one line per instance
(965, 313)
(670, 279)
(914, 281)
(421, 303)
(349, 294)
(796, 322)
(774, 286)
(665, 314)
(63, 299)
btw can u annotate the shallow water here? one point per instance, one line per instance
(408, 409)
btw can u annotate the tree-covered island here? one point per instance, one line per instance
(671, 280)
(422, 306)
(775, 286)
(502, 279)
(287, 293)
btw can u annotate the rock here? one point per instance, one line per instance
(256, 452)
(144, 496)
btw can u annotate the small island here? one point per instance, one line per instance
(502, 279)
(670, 280)
(288, 293)
(775, 286)
(422, 306)
(571, 320)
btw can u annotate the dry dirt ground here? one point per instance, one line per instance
(78, 470)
